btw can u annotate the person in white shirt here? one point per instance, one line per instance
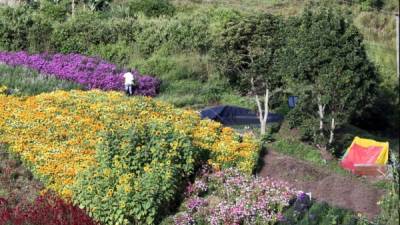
(129, 83)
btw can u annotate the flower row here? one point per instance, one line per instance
(93, 73)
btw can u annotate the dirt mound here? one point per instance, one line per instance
(325, 186)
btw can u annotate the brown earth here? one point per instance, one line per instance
(16, 182)
(325, 186)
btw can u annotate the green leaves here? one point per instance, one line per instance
(140, 173)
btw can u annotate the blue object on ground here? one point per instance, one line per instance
(293, 101)
(234, 115)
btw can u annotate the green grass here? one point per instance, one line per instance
(25, 82)
(295, 148)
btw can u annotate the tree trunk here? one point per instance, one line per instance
(332, 130)
(321, 113)
(73, 8)
(263, 116)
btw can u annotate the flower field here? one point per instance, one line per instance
(229, 197)
(79, 142)
(91, 72)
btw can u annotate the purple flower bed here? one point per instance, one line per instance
(93, 73)
(229, 197)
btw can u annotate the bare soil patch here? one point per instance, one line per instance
(325, 186)
(16, 182)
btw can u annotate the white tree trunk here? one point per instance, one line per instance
(332, 131)
(73, 8)
(263, 115)
(321, 113)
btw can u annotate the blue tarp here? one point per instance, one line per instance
(292, 101)
(233, 115)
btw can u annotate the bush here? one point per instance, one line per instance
(140, 171)
(181, 33)
(319, 213)
(120, 52)
(152, 8)
(371, 4)
(14, 27)
(247, 45)
(78, 33)
(390, 214)
(39, 34)
(54, 11)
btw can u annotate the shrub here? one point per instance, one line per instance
(120, 52)
(45, 210)
(55, 11)
(314, 213)
(14, 27)
(181, 33)
(390, 214)
(152, 8)
(39, 34)
(140, 170)
(78, 33)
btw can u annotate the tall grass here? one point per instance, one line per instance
(24, 82)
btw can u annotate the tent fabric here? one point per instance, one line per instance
(361, 155)
(233, 115)
(365, 151)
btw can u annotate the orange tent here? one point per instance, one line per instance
(365, 152)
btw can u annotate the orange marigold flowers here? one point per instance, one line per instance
(56, 133)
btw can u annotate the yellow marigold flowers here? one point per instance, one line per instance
(3, 89)
(56, 133)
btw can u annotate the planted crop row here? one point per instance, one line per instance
(93, 73)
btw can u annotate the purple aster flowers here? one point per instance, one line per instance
(93, 73)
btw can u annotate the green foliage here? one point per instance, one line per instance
(152, 8)
(181, 33)
(326, 55)
(390, 203)
(79, 33)
(322, 213)
(55, 11)
(14, 27)
(88, 29)
(371, 4)
(139, 174)
(246, 48)
(120, 52)
(298, 149)
(38, 34)
(24, 82)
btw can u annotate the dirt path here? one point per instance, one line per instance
(337, 190)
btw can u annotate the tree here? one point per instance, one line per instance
(326, 60)
(244, 52)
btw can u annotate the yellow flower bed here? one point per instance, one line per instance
(56, 133)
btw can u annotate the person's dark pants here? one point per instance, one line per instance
(129, 89)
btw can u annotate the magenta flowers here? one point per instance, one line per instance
(93, 73)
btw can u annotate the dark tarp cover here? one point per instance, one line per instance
(233, 115)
